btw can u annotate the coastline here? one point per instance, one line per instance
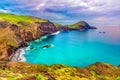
(18, 54)
(17, 31)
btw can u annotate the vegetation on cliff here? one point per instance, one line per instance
(25, 71)
(16, 30)
(18, 19)
(81, 25)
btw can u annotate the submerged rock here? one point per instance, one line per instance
(31, 48)
(47, 46)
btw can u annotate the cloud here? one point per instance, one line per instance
(106, 21)
(5, 11)
(67, 11)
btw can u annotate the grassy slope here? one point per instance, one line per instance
(14, 19)
(24, 71)
(39, 72)
(57, 24)
(73, 26)
(76, 25)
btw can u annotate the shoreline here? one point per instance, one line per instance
(17, 56)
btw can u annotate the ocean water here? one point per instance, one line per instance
(76, 48)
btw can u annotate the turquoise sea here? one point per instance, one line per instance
(76, 48)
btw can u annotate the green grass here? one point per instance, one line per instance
(56, 24)
(73, 26)
(26, 22)
(18, 18)
(40, 77)
(76, 25)
(11, 42)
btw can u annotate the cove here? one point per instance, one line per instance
(76, 48)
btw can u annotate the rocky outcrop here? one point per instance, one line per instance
(82, 25)
(16, 35)
(49, 27)
(19, 36)
(97, 71)
(46, 27)
(102, 71)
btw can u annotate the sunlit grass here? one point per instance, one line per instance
(18, 18)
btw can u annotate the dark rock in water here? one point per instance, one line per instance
(104, 32)
(119, 65)
(47, 46)
(31, 48)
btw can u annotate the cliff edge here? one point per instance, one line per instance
(17, 30)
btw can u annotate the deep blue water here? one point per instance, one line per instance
(77, 48)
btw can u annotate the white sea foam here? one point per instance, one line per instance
(55, 33)
(18, 56)
(21, 57)
(37, 40)
(52, 45)
(43, 37)
(27, 48)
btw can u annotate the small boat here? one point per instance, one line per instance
(102, 32)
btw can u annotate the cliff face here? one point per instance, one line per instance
(81, 25)
(16, 36)
(13, 36)
(16, 31)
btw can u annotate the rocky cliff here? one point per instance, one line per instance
(16, 31)
(81, 25)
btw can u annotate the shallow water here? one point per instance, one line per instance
(77, 48)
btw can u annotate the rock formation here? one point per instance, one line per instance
(15, 33)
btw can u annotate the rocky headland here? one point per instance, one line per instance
(16, 31)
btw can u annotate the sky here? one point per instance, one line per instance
(95, 12)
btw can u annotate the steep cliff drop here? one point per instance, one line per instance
(16, 31)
